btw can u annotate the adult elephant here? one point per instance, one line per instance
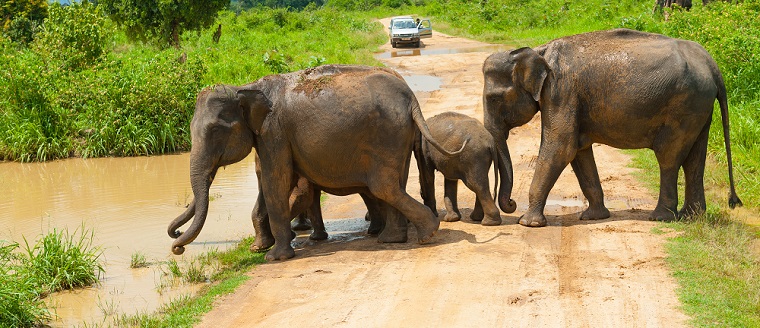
(623, 88)
(328, 124)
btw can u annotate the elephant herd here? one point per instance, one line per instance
(346, 129)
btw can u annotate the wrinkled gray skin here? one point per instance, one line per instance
(622, 88)
(329, 125)
(471, 166)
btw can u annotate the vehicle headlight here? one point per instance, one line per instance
(395, 35)
(416, 35)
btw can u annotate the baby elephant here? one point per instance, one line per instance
(471, 166)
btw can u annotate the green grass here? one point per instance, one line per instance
(62, 260)
(58, 260)
(138, 260)
(186, 311)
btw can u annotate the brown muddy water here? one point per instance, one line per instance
(128, 203)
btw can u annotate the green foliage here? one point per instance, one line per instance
(20, 304)
(21, 19)
(62, 260)
(162, 21)
(74, 36)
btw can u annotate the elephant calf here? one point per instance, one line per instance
(471, 166)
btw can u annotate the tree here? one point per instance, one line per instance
(162, 21)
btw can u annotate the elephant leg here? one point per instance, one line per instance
(694, 172)
(555, 153)
(427, 183)
(315, 215)
(374, 215)
(670, 161)
(260, 218)
(395, 195)
(395, 227)
(450, 200)
(585, 170)
(485, 209)
(277, 173)
(301, 223)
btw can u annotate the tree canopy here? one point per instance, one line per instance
(162, 21)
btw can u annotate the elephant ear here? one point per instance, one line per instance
(256, 106)
(530, 71)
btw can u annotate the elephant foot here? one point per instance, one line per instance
(318, 235)
(300, 225)
(477, 216)
(595, 213)
(662, 214)
(692, 210)
(452, 217)
(392, 237)
(262, 243)
(426, 230)
(491, 221)
(279, 253)
(533, 220)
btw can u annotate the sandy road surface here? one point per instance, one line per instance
(608, 273)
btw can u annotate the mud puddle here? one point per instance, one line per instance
(401, 52)
(423, 83)
(128, 203)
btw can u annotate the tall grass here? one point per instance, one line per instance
(58, 260)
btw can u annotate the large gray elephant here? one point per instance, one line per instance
(328, 124)
(623, 88)
(471, 166)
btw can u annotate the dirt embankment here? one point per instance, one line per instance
(571, 273)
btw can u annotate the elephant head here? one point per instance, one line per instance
(223, 131)
(511, 93)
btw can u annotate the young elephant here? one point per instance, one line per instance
(471, 166)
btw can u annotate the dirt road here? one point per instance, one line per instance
(571, 273)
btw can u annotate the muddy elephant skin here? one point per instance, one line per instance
(471, 166)
(328, 124)
(623, 88)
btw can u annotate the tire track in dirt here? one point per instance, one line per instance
(571, 273)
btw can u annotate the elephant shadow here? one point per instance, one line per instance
(357, 239)
(573, 219)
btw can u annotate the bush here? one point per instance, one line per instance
(75, 35)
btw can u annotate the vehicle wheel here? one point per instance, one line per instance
(393, 44)
(418, 44)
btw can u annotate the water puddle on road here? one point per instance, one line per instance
(128, 203)
(402, 52)
(423, 83)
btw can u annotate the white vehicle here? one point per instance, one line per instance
(404, 29)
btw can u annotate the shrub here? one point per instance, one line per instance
(75, 35)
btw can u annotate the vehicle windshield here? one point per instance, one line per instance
(404, 24)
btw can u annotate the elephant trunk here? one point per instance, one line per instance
(506, 203)
(200, 180)
(181, 220)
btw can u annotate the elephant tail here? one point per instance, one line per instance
(733, 199)
(495, 157)
(423, 127)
